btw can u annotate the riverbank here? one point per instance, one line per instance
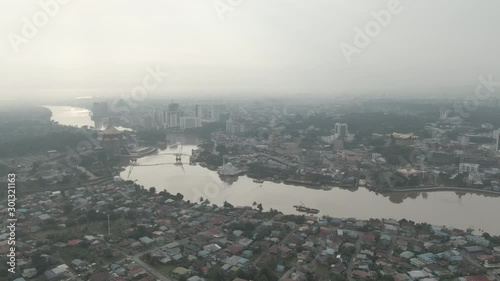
(193, 181)
(443, 207)
(298, 181)
(442, 188)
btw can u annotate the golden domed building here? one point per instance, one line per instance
(112, 139)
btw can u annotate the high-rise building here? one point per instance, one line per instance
(217, 111)
(338, 145)
(173, 107)
(341, 131)
(275, 139)
(190, 122)
(198, 113)
(173, 115)
(234, 128)
(165, 117)
(173, 119)
(158, 117)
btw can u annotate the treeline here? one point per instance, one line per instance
(265, 274)
(33, 137)
(362, 124)
(365, 124)
(207, 129)
(484, 115)
(395, 154)
(17, 113)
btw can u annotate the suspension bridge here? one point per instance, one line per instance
(178, 161)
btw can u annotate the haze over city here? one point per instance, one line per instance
(258, 48)
(239, 140)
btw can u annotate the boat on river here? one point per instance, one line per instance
(302, 208)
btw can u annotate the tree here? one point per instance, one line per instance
(227, 205)
(217, 273)
(152, 190)
(108, 253)
(221, 148)
(140, 232)
(260, 207)
(179, 197)
(266, 274)
(67, 208)
(40, 264)
(41, 181)
(35, 166)
(66, 179)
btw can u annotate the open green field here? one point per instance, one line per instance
(93, 228)
(165, 269)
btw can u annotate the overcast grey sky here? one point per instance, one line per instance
(262, 46)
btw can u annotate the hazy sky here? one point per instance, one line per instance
(261, 46)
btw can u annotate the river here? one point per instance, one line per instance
(453, 209)
(77, 116)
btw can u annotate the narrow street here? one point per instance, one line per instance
(350, 266)
(471, 260)
(149, 269)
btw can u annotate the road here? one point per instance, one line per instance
(350, 266)
(394, 243)
(287, 274)
(471, 260)
(149, 269)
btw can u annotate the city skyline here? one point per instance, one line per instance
(238, 140)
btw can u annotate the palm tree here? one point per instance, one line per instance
(260, 207)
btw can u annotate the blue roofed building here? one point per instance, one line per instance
(478, 240)
(427, 257)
